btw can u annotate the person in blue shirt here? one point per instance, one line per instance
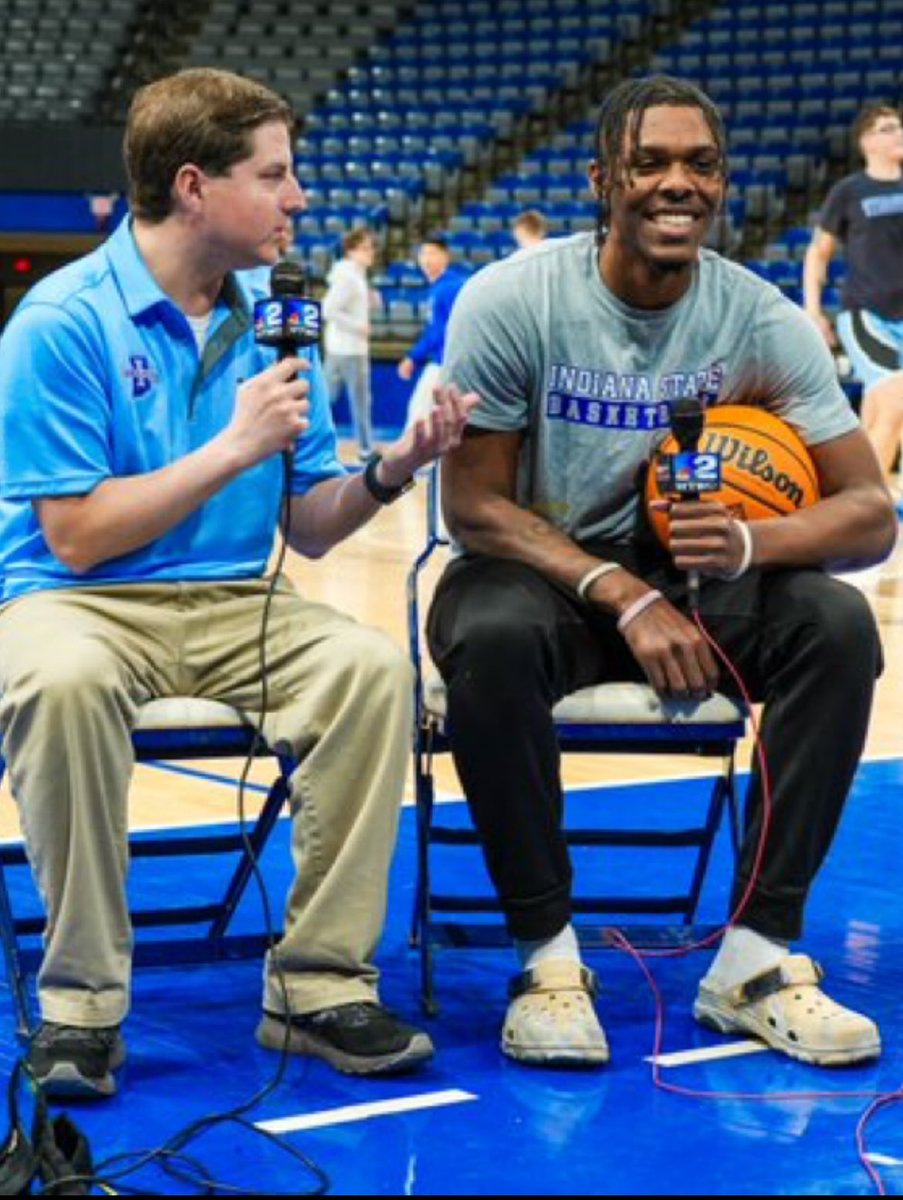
(144, 434)
(446, 279)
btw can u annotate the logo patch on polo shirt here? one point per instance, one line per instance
(142, 375)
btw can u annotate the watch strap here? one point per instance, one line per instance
(381, 492)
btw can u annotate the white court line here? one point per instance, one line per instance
(363, 1112)
(887, 756)
(683, 1058)
(451, 798)
(884, 1160)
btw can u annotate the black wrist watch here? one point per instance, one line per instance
(380, 492)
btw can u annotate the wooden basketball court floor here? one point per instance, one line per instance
(474, 1123)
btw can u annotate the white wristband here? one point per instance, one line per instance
(596, 573)
(747, 555)
(632, 611)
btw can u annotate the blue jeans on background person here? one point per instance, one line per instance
(353, 372)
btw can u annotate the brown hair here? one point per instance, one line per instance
(203, 116)
(868, 118)
(355, 238)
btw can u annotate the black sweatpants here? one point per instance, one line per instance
(509, 644)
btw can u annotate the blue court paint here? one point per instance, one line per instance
(533, 1132)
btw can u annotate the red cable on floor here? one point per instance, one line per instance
(879, 1100)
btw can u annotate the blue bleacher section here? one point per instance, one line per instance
(433, 101)
(55, 57)
(789, 79)
(424, 108)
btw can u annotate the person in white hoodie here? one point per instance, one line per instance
(346, 311)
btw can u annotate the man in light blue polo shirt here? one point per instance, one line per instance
(143, 436)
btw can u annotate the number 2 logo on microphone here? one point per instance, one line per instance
(693, 471)
(268, 320)
(304, 319)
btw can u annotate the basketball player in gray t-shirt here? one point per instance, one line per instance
(578, 350)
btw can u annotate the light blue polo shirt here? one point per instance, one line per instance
(100, 376)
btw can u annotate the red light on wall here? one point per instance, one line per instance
(22, 265)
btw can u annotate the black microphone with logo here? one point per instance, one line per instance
(690, 472)
(287, 319)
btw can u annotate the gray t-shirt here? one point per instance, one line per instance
(554, 353)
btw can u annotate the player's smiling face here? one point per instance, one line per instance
(662, 202)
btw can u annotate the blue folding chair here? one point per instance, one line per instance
(610, 718)
(181, 728)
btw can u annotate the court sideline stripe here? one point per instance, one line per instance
(684, 1058)
(363, 1112)
(210, 777)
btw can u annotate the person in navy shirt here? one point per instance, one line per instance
(143, 437)
(863, 216)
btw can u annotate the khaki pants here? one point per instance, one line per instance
(76, 664)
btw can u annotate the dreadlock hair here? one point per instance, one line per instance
(622, 111)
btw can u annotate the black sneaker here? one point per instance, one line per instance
(359, 1038)
(72, 1062)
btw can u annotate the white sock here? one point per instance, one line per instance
(562, 946)
(743, 954)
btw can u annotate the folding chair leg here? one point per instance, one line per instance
(257, 838)
(420, 921)
(427, 988)
(214, 944)
(415, 929)
(735, 823)
(722, 793)
(16, 976)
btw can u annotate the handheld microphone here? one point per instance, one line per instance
(687, 421)
(691, 472)
(287, 319)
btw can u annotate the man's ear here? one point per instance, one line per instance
(188, 186)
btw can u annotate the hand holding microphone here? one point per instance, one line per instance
(675, 656)
(690, 473)
(289, 321)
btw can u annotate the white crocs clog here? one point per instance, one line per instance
(785, 1008)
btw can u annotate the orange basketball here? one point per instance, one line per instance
(766, 470)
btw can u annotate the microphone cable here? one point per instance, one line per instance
(878, 1100)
